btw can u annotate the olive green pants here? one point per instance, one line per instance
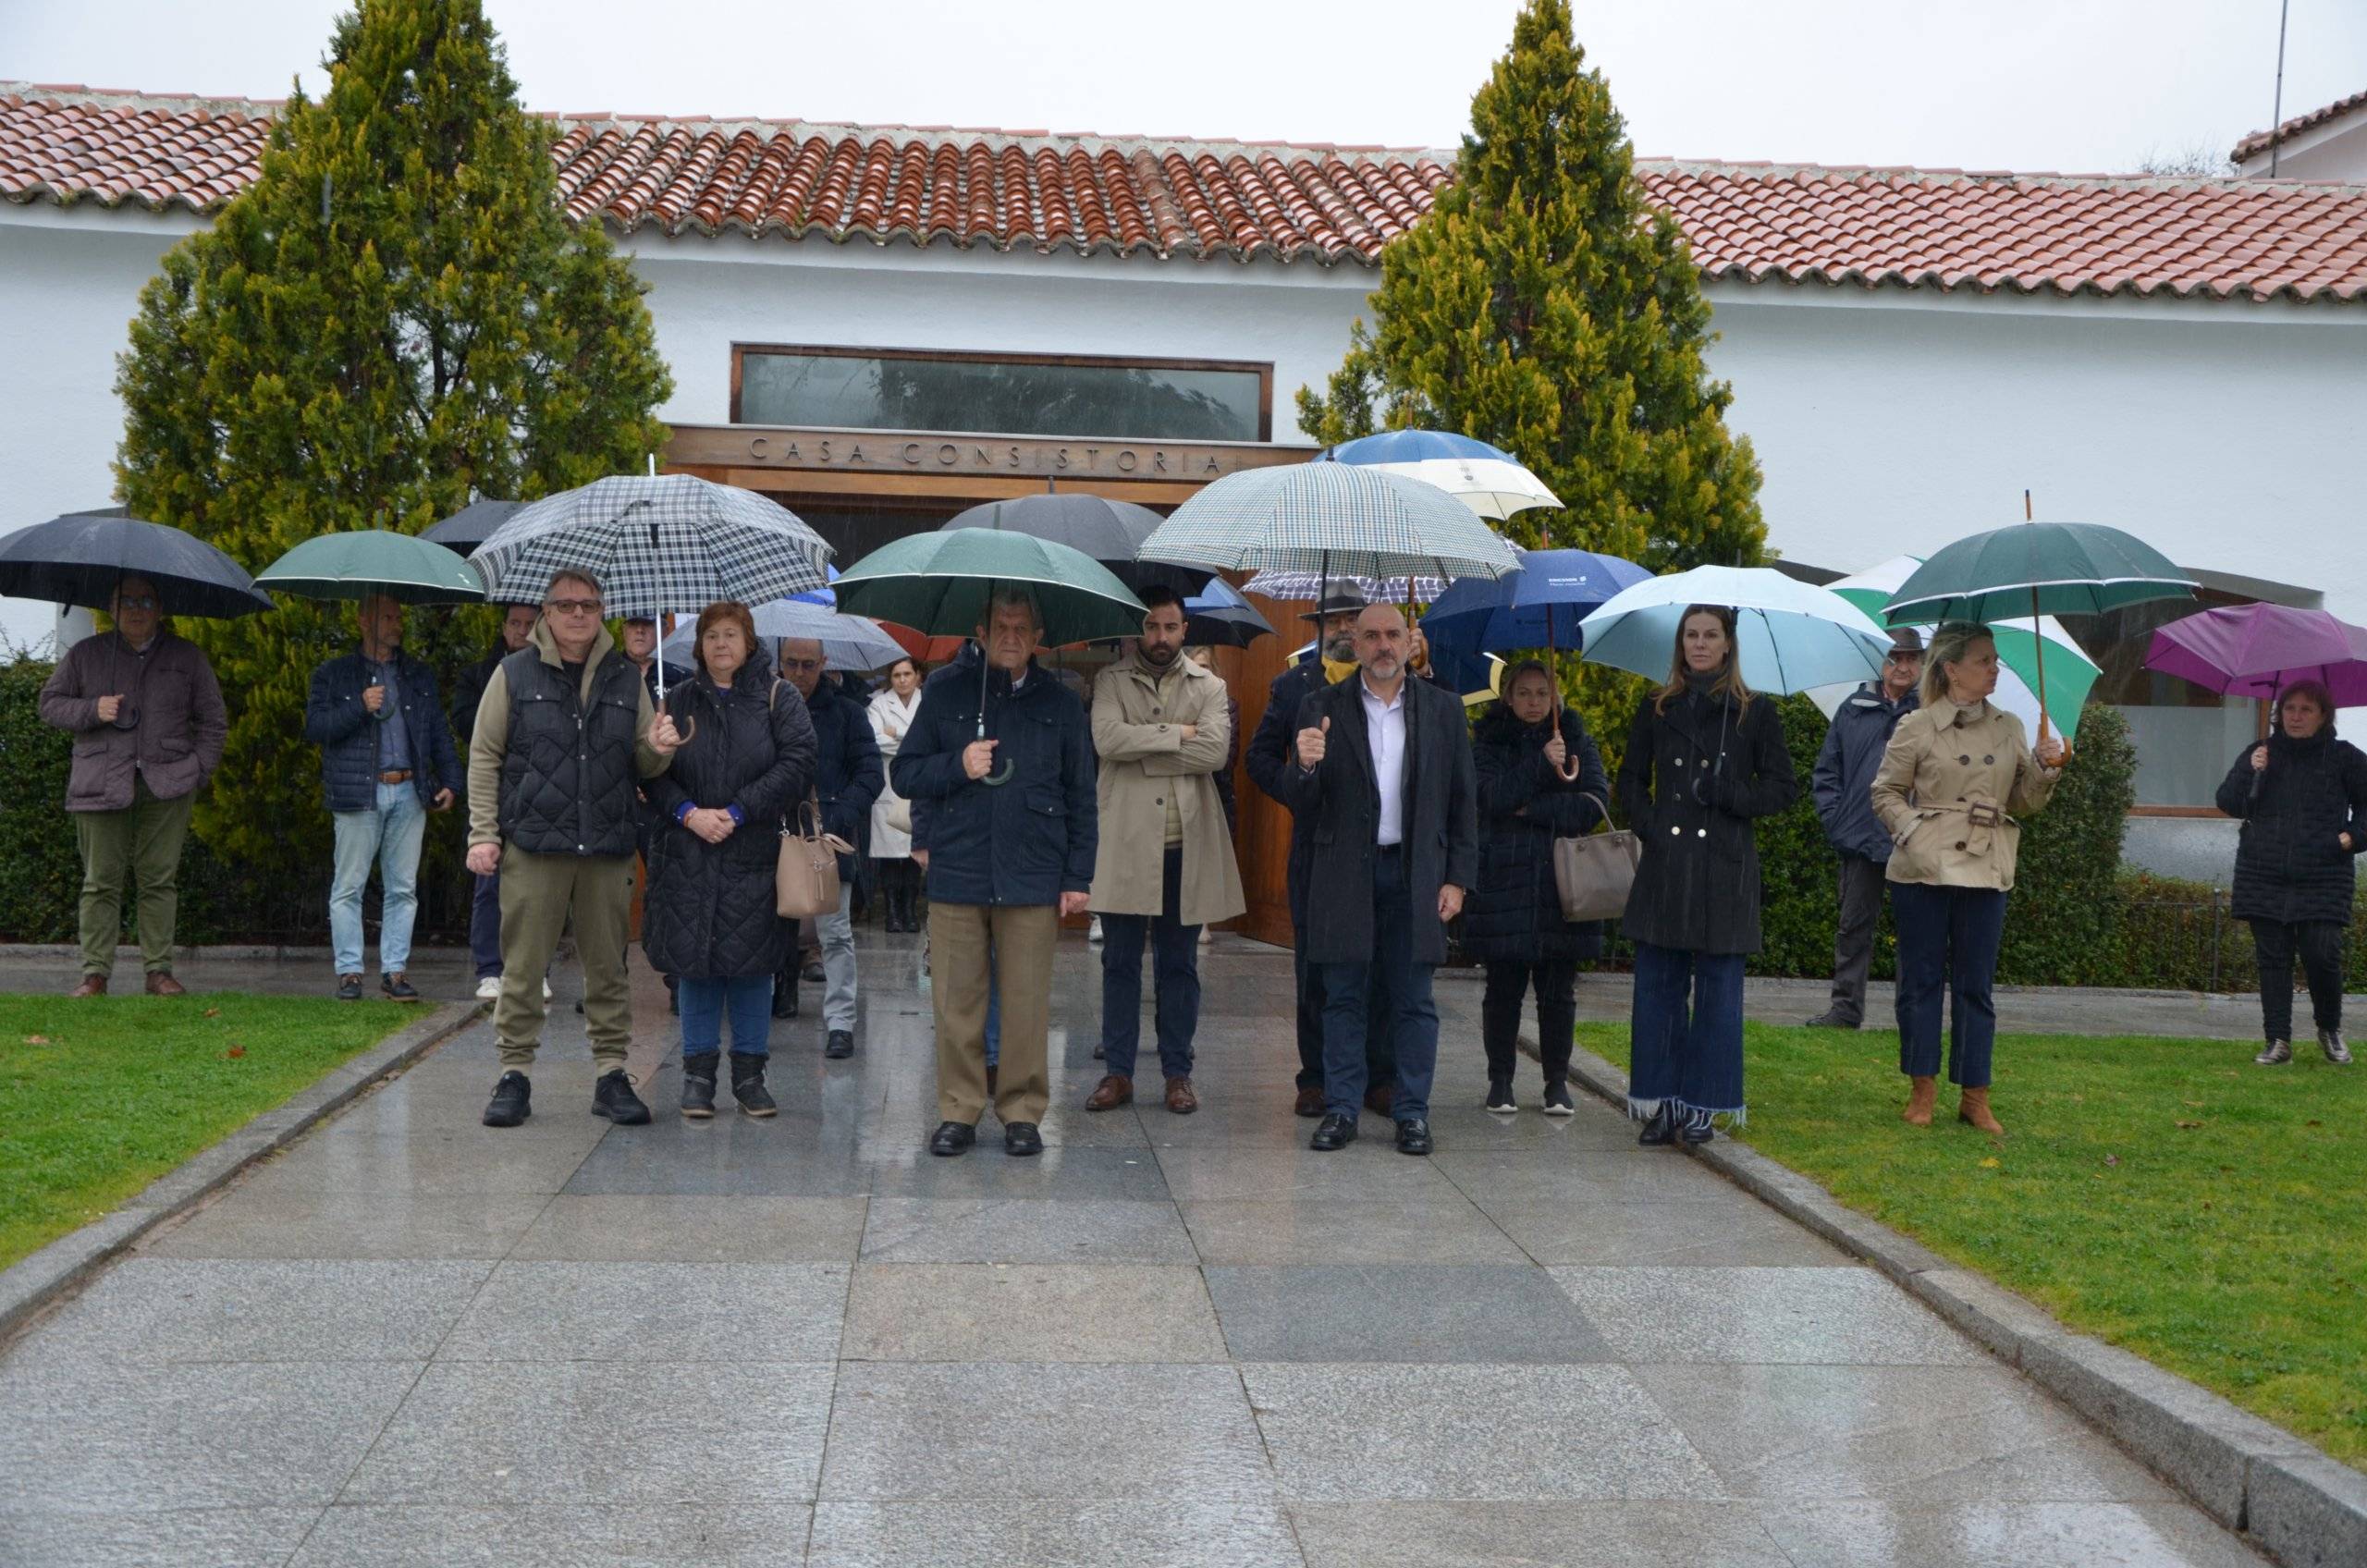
(538, 895)
(143, 841)
(1021, 940)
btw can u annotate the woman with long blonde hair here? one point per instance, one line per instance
(1705, 759)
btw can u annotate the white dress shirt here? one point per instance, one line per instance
(1385, 731)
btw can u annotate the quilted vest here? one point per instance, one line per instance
(568, 777)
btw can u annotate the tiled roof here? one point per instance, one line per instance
(1176, 197)
(2257, 142)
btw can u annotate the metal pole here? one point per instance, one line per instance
(2276, 113)
(2215, 940)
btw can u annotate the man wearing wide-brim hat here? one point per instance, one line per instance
(1268, 755)
(1841, 785)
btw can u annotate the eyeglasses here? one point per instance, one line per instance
(574, 607)
(801, 664)
(136, 602)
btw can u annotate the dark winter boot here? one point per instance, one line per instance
(748, 1085)
(785, 994)
(1661, 1128)
(698, 1086)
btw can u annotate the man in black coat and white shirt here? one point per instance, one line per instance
(1382, 778)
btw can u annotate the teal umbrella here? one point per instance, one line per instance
(940, 584)
(371, 561)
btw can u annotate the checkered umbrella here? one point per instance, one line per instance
(663, 543)
(1330, 518)
(1296, 585)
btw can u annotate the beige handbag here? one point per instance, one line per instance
(1593, 873)
(805, 877)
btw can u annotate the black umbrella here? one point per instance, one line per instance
(1218, 616)
(472, 525)
(78, 559)
(1110, 531)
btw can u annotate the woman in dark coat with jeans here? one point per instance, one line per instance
(2302, 796)
(708, 916)
(1541, 779)
(1705, 758)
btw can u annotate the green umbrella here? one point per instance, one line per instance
(940, 584)
(374, 561)
(2035, 568)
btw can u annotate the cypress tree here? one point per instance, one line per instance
(394, 315)
(1545, 307)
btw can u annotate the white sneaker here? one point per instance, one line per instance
(489, 988)
(1206, 933)
(1094, 934)
(546, 987)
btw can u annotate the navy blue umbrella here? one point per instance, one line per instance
(1538, 607)
(78, 559)
(1218, 616)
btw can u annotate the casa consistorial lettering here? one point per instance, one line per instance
(882, 451)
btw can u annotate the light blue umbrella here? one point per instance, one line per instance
(1792, 635)
(849, 641)
(1413, 446)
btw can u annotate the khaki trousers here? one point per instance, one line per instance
(143, 842)
(538, 894)
(1022, 939)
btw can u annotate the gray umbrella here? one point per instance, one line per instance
(472, 525)
(1110, 531)
(78, 559)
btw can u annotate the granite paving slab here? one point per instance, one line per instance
(1840, 1315)
(694, 1533)
(164, 1310)
(1030, 1312)
(1072, 1229)
(1503, 1313)
(749, 1313)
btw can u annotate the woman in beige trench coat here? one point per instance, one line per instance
(1956, 774)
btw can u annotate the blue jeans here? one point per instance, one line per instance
(1389, 990)
(388, 834)
(1692, 1058)
(485, 927)
(1948, 940)
(747, 998)
(1177, 952)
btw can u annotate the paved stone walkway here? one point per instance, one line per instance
(1169, 1340)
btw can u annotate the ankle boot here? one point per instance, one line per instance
(1973, 1107)
(748, 1085)
(1661, 1129)
(698, 1086)
(1919, 1100)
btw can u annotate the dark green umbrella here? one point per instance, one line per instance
(940, 584)
(2034, 568)
(368, 561)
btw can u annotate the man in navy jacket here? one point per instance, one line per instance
(1841, 785)
(387, 761)
(1012, 826)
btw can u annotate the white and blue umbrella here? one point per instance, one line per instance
(1791, 635)
(849, 641)
(1489, 480)
(1411, 446)
(1330, 518)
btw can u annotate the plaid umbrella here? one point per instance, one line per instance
(1378, 589)
(656, 544)
(1330, 518)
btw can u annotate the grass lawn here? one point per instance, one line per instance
(98, 1098)
(2166, 1195)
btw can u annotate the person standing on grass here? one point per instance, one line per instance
(1705, 760)
(1009, 827)
(1164, 866)
(1844, 772)
(708, 918)
(1382, 775)
(2301, 795)
(892, 712)
(1541, 779)
(564, 733)
(387, 761)
(148, 724)
(1956, 775)
(485, 901)
(847, 777)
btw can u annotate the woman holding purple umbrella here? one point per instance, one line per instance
(2302, 797)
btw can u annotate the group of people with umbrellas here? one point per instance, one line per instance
(1403, 818)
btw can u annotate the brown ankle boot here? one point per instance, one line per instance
(1973, 1106)
(1919, 1100)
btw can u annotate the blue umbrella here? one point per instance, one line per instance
(1538, 607)
(1411, 446)
(819, 596)
(1792, 636)
(1218, 616)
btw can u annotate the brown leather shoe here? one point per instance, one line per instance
(1179, 1097)
(1380, 1097)
(162, 984)
(1311, 1102)
(92, 985)
(1115, 1090)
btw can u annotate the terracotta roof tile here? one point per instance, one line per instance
(1176, 197)
(2257, 142)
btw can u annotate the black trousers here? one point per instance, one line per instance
(1853, 938)
(2319, 944)
(1557, 1015)
(1380, 1056)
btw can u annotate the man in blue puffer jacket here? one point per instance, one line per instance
(1840, 785)
(387, 761)
(1012, 827)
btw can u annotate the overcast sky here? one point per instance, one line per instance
(2081, 85)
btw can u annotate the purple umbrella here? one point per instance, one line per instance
(2258, 650)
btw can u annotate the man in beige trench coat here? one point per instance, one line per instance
(1164, 865)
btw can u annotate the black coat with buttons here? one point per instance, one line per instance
(1694, 778)
(2290, 864)
(1514, 911)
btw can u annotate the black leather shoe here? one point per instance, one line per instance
(1694, 1128)
(510, 1105)
(348, 988)
(1022, 1138)
(811, 972)
(399, 987)
(1413, 1136)
(1334, 1132)
(613, 1097)
(953, 1138)
(840, 1044)
(1661, 1129)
